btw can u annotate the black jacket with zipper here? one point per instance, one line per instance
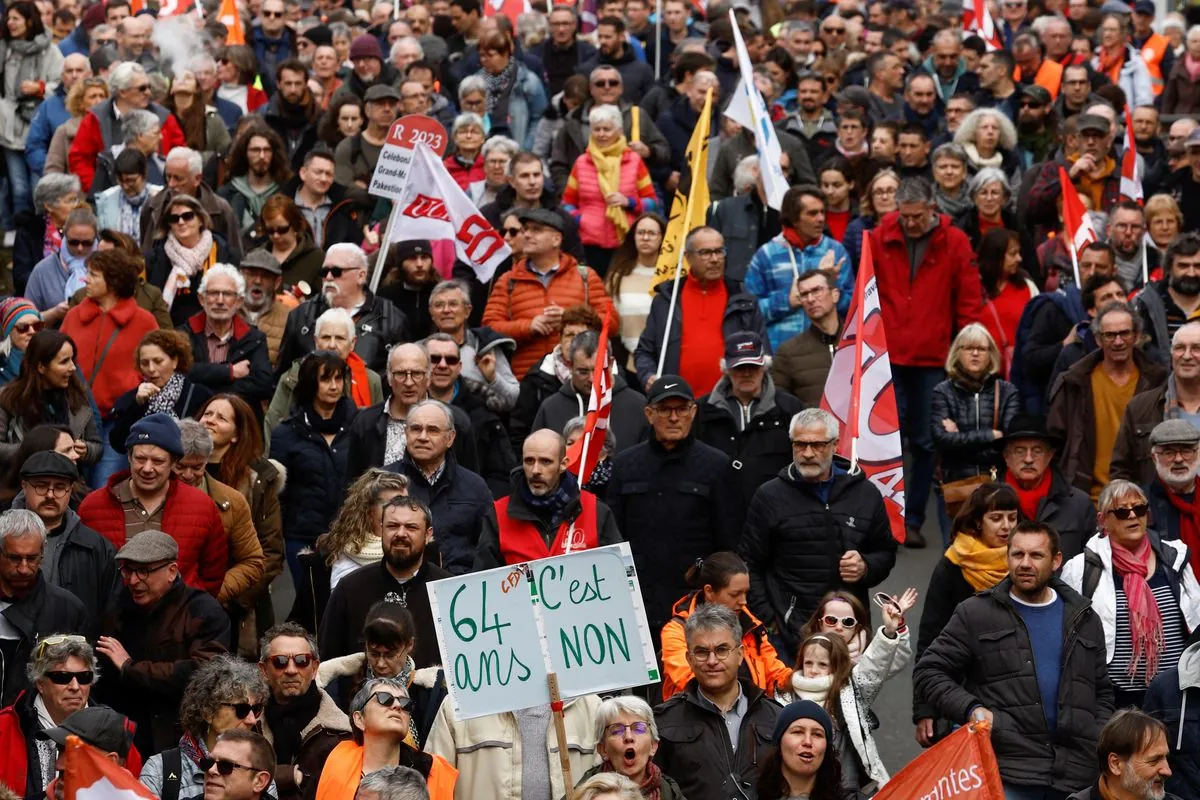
(368, 440)
(984, 657)
(972, 449)
(793, 543)
(316, 474)
(695, 750)
(378, 325)
(46, 610)
(460, 501)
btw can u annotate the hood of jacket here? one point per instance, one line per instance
(722, 394)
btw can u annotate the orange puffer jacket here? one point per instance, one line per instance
(519, 296)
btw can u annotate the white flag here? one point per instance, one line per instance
(748, 109)
(432, 206)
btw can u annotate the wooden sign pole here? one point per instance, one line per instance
(560, 732)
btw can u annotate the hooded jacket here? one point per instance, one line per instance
(44, 610)
(627, 420)
(1172, 698)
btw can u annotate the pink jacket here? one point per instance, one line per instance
(583, 199)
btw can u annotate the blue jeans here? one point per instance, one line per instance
(20, 181)
(1032, 793)
(110, 463)
(914, 401)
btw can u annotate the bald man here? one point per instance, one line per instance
(547, 514)
(53, 112)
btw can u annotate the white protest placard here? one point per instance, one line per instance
(502, 631)
(395, 158)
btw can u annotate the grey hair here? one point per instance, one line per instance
(989, 175)
(966, 129)
(196, 439)
(82, 216)
(745, 175)
(201, 62)
(532, 29)
(103, 29)
(608, 784)
(289, 629)
(577, 424)
(1187, 326)
(335, 316)
(605, 113)
(466, 119)
(948, 36)
(608, 711)
(337, 29)
(406, 40)
(139, 122)
(587, 343)
(790, 26)
(224, 679)
(500, 143)
(1115, 307)
(1110, 494)
(712, 617)
(17, 523)
(55, 654)
(1040, 24)
(950, 150)
(815, 416)
(195, 161)
(352, 249)
(470, 85)
(54, 186)
(395, 783)
(914, 190)
(606, 68)
(123, 75)
(453, 284)
(373, 685)
(440, 406)
(224, 271)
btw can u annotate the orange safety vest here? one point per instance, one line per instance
(1152, 53)
(1049, 77)
(521, 541)
(342, 773)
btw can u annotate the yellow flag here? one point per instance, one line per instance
(691, 211)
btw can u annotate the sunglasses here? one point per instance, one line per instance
(80, 242)
(440, 359)
(224, 766)
(1138, 510)
(54, 641)
(831, 620)
(242, 710)
(186, 216)
(278, 231)
(61, 677)
(28, 327)
(301, 661)
(273, 14)
(387, 700)
(611, 83)
(336, 272)
(1030, 104)
(512, 231)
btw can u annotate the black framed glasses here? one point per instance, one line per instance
(1129, 512)
(301, 660)
(141, 571)
(61, 677)
(243, 710)
(387, 700)
(224, 766)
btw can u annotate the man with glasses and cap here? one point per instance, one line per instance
(30, 606)
(1175, 452)
(264, 305)
(1086, 158)
(155, 635)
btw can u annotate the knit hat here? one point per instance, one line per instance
(156, 429)
(11, 310)
(801, 709)
(319, 35)
(366, 46)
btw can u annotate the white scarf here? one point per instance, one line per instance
(185, 263)
(979, 161)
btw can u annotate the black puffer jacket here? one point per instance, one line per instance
(947, 588)
(316, 474)
(672, 506)
(459, 500)
(45, 610)
(794, 540)
(368, 440)
(378, 325)
(972, 449)
(984, 657)
(758, 448)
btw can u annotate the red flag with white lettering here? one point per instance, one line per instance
(1131, 181)
(859, 391)
(962, 766)
(89, 775)
(978, 20)
(1077, 224)
(584, 455)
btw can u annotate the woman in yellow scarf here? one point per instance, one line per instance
(609, 187)
(976, 560)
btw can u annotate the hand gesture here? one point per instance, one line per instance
(616, 199)
(145, 391)
(640, 148)
(829, 262)
(240, 370)
(114, 650)
(950, 426)
(852, 567)
(487, 366)
(542, 325)
(893, 613)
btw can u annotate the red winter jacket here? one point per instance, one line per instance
(191, 519)
(921, 316)
(109, 370)
(464, 176)
(89, 143)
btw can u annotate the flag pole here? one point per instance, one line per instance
(1145, 264)
(1074, 263)
(662, 355)
(385, 244)
(658, 12)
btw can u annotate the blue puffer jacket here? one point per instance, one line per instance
(316, 474)
(50, 114)
(1173, 697)
(773, 270)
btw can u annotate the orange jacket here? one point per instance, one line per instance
(519, 296)
(758, 655)
(1049, 77)
(105, 345)
(343, 771)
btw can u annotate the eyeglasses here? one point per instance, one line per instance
(619, 728)
(722, 652)
(336, 272)
(61, 677)
(512, 231)
(224, 766)
(838, 31)
(975, 348)
(81, 243)
(144, 88)
(883, 192)
(273, 14)
(259, 150)
(671, 412)
(831, 620)
(28, 327)
(1138, 510)
(1030, 104)
(445, 305)
(243, 710)
(610, 83)
(14, 558)
(406, 375)
(60, 491)
(280, 231)
(1172, 452)
(1112, 336)
(452, 361)
(708, 252)
(220, 294)
(141, 571)
(55, 641)
(802, 446)
(387, 700)
(186, 216)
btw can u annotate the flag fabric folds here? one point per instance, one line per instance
(89, 775)
(687, 212)
(961, 766)
(748, 109)
(1131, 181)
(584, 455)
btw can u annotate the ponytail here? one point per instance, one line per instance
(716, 571)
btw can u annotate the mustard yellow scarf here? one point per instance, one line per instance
(608, 173)
(982, 566)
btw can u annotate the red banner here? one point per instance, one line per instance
(960, 767)
(859, 391)
(584, 455)
(89, 775)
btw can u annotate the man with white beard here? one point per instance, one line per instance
(1175, 448)
(263, 307)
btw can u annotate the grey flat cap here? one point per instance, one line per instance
(149, 547)
(1175, 431)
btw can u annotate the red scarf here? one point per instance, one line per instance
(1145, 621)
(793, 237)
(360, 387)
(1030, 499)
(1189, 524)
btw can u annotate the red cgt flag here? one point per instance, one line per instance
(978, 20)
(859, 391)
(1077, 225)
(584, 455)
(1131, 181)
(91, 776)
(961, 766)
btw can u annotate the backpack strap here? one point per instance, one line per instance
(1093, 568)
(172, 764)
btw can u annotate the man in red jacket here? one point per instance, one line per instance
(150, 497)
(928, 290)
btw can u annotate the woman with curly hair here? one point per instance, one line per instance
(223, 695)
(163, 360)
(353, 540)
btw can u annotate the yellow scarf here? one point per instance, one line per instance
(982, 566)
(608, 173)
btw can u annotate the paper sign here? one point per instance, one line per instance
(395, 157)
(580, 615)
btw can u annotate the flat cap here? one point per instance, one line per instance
(1093, 122)
(543, 216)
(1175, 431)
(382, 91)
(149, 547)
(261, 259)
(49, 464)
